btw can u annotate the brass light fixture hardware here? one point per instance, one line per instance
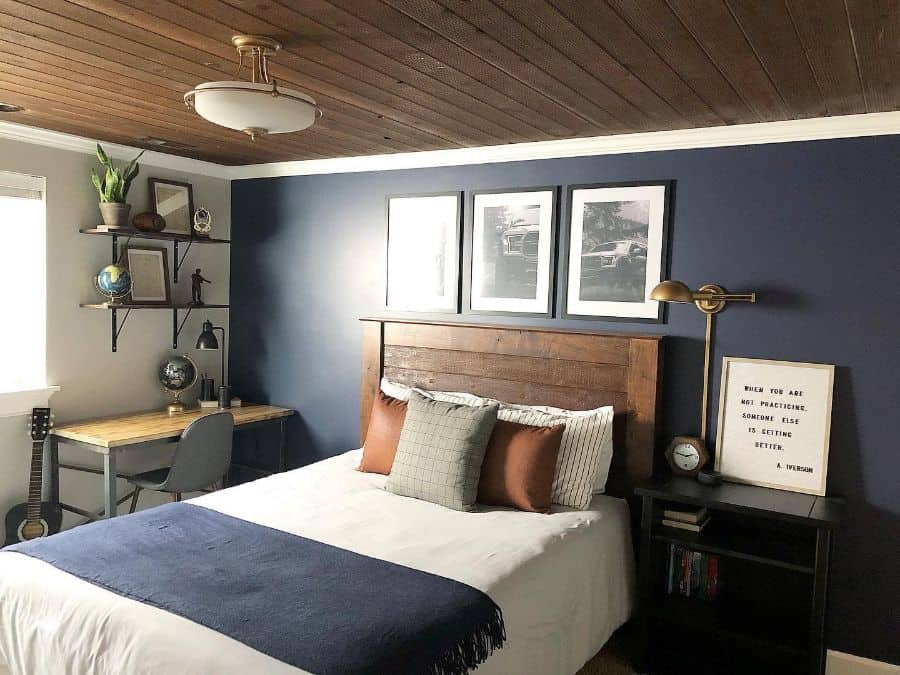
(260, 106)
(709, 299)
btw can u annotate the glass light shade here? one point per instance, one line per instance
(672, 291)
(246, 105)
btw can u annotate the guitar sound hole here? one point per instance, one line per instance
(33, 529)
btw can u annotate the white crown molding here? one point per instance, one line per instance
(61, 141)
(819, 128)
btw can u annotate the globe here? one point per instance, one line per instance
(177, 373)
(114, 281)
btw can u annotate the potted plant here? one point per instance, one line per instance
(113, 189)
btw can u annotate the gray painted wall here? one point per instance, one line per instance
(94, 381)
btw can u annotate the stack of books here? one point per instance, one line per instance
(692, 520)
(692, 574)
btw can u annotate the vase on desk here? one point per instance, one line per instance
(224, 396)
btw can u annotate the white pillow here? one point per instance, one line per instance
(402, 392)
(585, 452)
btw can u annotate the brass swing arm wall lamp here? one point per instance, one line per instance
(709, 299)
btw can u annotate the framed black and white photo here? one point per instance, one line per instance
(510, 252)
(174, 201)
(775, 423)
(616, 250)
(149, 269)
(423, 248)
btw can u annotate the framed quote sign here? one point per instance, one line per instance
(775, 423)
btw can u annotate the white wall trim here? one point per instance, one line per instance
(14, 403)
(61, 141)
(817, 128)
(839, 663)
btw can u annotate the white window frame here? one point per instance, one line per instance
(20, 402)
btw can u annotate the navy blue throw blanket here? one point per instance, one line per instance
(314, 606)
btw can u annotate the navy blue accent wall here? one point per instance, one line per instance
(813, 227)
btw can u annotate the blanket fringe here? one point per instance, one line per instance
(474, 650)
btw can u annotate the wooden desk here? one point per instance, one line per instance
(109, 436)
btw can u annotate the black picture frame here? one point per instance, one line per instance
(425, 311)
(468, 253)
(566, 241)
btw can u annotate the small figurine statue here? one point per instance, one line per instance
(197, 282)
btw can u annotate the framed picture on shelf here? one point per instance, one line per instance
(149, 269)
(173, 201)
(616, 250)
(775, 423)
(510, 252)
(423, 248)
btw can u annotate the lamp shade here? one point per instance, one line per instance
(672, 291)
(253, 106)
(207, 339)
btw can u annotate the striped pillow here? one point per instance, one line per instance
(585, 452)
(402, 392)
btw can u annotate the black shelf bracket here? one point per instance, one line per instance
(179, 261)
(115, 247)
(116, 331)
(176, 327)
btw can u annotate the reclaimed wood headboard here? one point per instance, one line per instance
(572, 369)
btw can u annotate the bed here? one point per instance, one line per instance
(564, 581)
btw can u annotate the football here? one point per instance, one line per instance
(149, 222)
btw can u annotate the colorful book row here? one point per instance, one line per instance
(692, 574)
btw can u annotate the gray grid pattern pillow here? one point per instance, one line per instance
(582, 463)
(440, 452)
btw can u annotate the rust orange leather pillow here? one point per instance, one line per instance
(383, 433)
(519, 465)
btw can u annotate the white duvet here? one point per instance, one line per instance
(564, 581)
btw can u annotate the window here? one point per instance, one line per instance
(23, 283)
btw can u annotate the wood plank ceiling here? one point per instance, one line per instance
(407, 75)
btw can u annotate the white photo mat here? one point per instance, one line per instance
(172, 201)
(648, 309)
(149, 275)
(775, 423)
(541, 302)
(423, 253)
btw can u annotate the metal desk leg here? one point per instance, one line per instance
(109, 485)
(282, 445)
(54, 470)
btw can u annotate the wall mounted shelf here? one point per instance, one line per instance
(114, 307)
(176, 239)
(116, 327)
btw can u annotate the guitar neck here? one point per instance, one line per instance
(35, 481)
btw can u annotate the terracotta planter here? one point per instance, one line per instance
(115, 215)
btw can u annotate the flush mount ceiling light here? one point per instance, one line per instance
(258, 107)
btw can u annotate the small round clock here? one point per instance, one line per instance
(686, 455)
(202, 222)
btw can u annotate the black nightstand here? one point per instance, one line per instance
(771, 551)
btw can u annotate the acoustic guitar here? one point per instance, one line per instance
(34, 518)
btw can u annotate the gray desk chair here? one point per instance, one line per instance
(202, 457)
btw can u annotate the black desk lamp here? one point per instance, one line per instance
(208, 340)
